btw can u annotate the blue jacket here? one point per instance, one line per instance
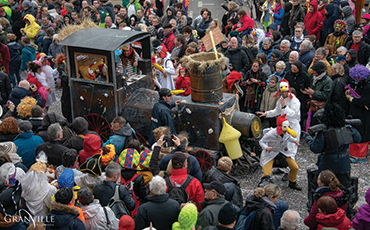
(18, 93)
(54, 50)
(15, 55)
(16, 226)
(28, 55)
(279, 17)
(194, 169)
(119, 138)
(338, 163)
(267, 52)
(26, 147)
(203, 26)
(306, 57)
(331, 16)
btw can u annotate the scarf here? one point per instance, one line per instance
(318, 78)
(273, 89)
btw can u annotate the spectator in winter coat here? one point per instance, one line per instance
(5, 88)
(91, 146)
(15, 59)
(268, 100)
(237, 57)
(278, 12)
(94, 212)
(32, 28)
(107, 6)
(284, 26)
(330, 19)
(361, 47)
(348, 18)
(204, 24)
(330, 215)
(297, 14)
(362, 218)
(123, 133)
(5, 58)
(170, 15)
(248, 23)
(314, 21)
(266, 47)
(169, 37)
(62, 214)
(148, 212)
(54, 48)
(28, 52)
(306, 55)
(183, 82)
(267, 13)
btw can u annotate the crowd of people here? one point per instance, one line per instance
(308, 66)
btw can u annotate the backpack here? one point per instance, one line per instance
(178, 193)
(136, 199)
(118, 206)
(246, 219)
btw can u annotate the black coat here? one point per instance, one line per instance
(263, 218)
(284, 27)
(139, 184)
(53, 150)
(105, 190)
(19, 93)
(363, 52)
(5, 88)
(338, 96)
(359, 108)
(239, 60)
(160, 210)
(63, 217)
(299, 81)
(297, 14)
(161, 116)
(203, 26)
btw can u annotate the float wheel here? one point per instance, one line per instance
(100, 125)
(204, 159)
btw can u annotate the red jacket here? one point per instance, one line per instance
(91, 145)
(5, 57)
(310, 220)
(314, 22)
(194, 189)
(336, 220)
(170, 41)
(248, 23)
(183, 83)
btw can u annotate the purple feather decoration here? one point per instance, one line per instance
(352, 91)
(359, 72)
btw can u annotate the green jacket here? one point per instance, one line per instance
(323, 89)
(136, 4)
(209, 214)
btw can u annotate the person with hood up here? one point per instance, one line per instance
(274, 142)
(339, 37)
(94, 212)
(132, 7)
(330, 18)
(329, 187)
(362, 218)
(91, 146)
(321, 7)
(170, 15)
(330, 216)
(15, 58)
(314, 21)
(263, 202)
(63, 216)
(348, 18)
(32, 28)
(351, 58)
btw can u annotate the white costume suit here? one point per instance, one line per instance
(293, 115)
(166, 82)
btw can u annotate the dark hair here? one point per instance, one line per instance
(276, 35)
(242, 13)
(33, 67)
(329, 179)
(36, 111)
(187, 29)
(209, 13)
(69, 158)
(178, 5)
(276, 79)
(85, 196)
(26, 39)
(330, 48)
(327, 205)
(89, 8)
(117, 6)
(180, 38)
(263, 57)
(333, 115)
(184, 138)
(135, 144)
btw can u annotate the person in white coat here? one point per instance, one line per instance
(94, 214)
(276, 141)
(163, 66)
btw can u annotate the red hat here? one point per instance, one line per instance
(233, 76)
(279, 123)
(284, 86)
(126, 223)
(366, 16)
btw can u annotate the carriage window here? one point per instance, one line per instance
(92, 67)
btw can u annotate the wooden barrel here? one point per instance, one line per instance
(206, 76)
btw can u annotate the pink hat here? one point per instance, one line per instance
(37, 62)
(366, 16)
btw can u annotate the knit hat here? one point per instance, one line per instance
(8, 147)
(144, 160)
(359, 72)
(283, 87)
(92, 165)
(227, 214)
(234, 33)
(178, 159)
(319, 67)
(27, 3)
(129, 158)
(24, 126)
(69, 7)
(9, 199)
(298, 64)
(352, 53)
(64, 195)
(276, 53)
(126, 223)
(366, 16)
(187, 218)
(66, 179)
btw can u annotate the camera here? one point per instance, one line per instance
(168, 141)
